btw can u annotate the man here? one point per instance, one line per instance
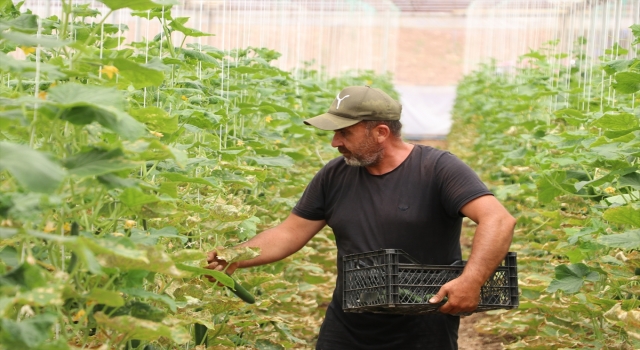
(384, 193)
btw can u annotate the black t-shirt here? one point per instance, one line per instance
(416, 208)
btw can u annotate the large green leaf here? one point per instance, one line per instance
(134, 328)
(156, 119)
(627, 82)
(23, 39)
(617, 121)
(221, 277)
(27, 334)
(631, 180)
(146, 295)
(623, 215)
(26, 277)
(30, 168)
(106, 297)
(96, 162)
(134, 197)
(74, 94)
(280, 161)
(626, 240)
(139, 75)
(547, 192)
(177, 177)
(570, 278)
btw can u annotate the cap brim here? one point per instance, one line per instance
(330, 121)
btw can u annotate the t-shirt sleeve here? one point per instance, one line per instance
(458, 183)
(311, 205)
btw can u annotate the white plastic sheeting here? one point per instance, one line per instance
(426, 111)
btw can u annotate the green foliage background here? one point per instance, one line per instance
(560, 147)
(122, 164)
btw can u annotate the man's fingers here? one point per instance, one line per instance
(438, 297)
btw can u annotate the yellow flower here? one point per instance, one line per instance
(277, 142)
(369, 82)
(240, 143)
(109, 71)
(184, 98)
(49, 227)
(268, 119)
(79, 315)
(157, 134)
(42, 95)
(129, 224)
(66, 227)
(28, 49)
(610, 190)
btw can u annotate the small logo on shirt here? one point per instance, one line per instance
(340, 99)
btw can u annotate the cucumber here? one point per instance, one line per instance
(242, 293)
(75, 231)
(201, 334)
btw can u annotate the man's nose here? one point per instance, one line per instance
(336, 141)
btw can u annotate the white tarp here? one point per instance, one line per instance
(426, 111)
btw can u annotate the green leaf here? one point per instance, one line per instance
(177, 177)
(29, 333)
(106, 297)
(146, 295)
(200, 56)
(626, 240)
(74, 95)
(178, 25)
(156, 119)
(114, 181)
(138, 5)
(30, 168)
(570, 278)
(96, 162)
(221, 277)
(135, 328)
(26, 276)
(139, 75)
(25, 23)
(616, 66)
(617, 121)
(630, 180)
(627, 82)
(546, 191)
(29, 40)
(281, 161)
(635, 29)
(134, 197)
(235, 254)
(154, 234)
(623, 215)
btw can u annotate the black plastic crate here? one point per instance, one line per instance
(391, 281)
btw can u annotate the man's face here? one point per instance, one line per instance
(358, 145)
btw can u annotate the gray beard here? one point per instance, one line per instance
(368, 160)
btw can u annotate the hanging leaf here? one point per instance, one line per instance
(281, 161)
(134, 198)
(30, 168)
(156, 119)
(630, 180)
(146, 295)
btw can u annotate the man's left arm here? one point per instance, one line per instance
(490, 246)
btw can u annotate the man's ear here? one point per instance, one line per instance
(382, 133)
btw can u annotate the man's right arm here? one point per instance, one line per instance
(275, 243)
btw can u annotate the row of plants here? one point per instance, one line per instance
(560, 146)
(122, 164)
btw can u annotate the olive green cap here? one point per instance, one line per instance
(354, 104)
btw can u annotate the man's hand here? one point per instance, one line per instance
(215, 263)
(463, 297)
